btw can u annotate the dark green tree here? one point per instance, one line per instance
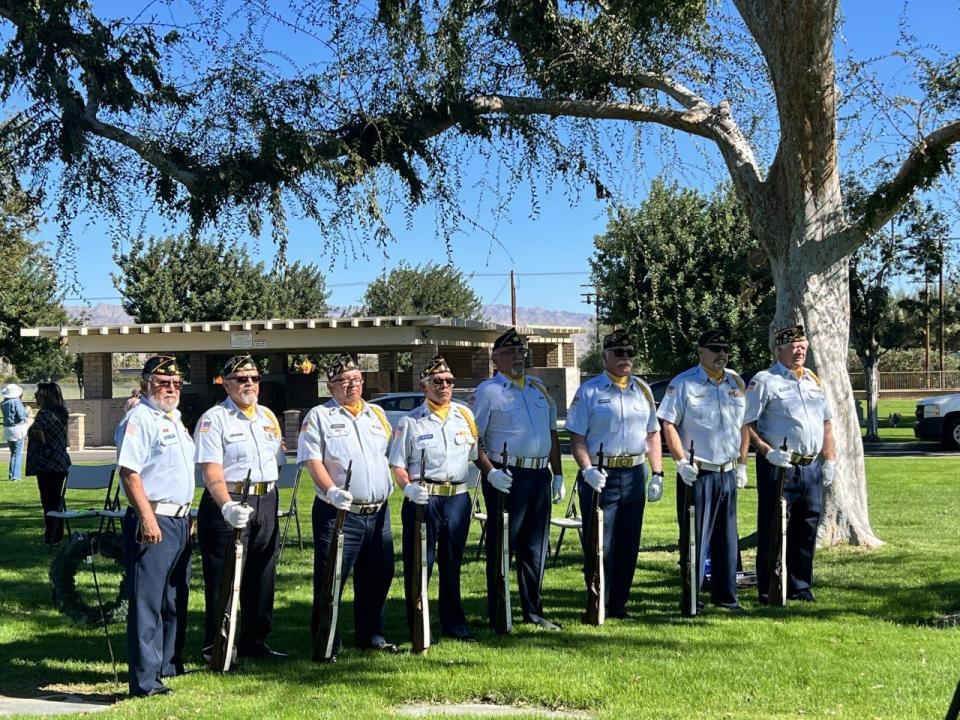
(681, 263)
(29, 294)
(429, 289)
(185, 279)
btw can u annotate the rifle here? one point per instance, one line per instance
(594, 571)
(777, 557)
(221, 655)
(323, 641)
(421, 607)
(688, 541)
(502, 621)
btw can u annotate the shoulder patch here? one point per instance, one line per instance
(378, 411)
(644, 388)
(467, 415)
(737, 379)
(815, 378)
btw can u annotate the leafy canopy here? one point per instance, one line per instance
(429, 289)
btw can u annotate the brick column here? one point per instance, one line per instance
(291, 428)
(75, 431)
(201, 369)
(481, 362)
(569, 354)
(387, 363)
(278, 363)
(420, 357)
(97, 376)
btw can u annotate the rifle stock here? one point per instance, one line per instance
(421, 608)
(221, 655)
(503, 620)
(323, 642)
(595, 614)
(688, 540)
(777, 554)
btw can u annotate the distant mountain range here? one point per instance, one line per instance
(110, 314)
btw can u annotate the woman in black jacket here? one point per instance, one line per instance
(47, 456)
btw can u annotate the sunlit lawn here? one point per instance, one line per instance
(867, 649)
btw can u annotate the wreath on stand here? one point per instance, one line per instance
(63, 576)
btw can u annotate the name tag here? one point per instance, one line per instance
(602, 401)
(236, 436)
(338, 426)
(736, 393)
(425, 437)
(169, 437)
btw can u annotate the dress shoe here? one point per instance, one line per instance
(618, 614)
(735, 609)
(386, 647)
(802, 596)
(465, 638)
(261, 652)
(162, 690)
(542, 622)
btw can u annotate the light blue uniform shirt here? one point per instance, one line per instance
(448, 446)
(226, 436)
(708, 413)
(617, 419)
(160, 450)
(331, 434)
(783, 406)
(522, 419)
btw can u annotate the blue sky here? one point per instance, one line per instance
(548, 251)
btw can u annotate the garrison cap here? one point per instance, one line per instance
(714, 337)
(341, 363)
(161, 365)
(511, 338)
(435, 367)
(239, 363)
(791, 334)
(618, 338)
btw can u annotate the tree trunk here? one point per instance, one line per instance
(871, 380)
(820, 300)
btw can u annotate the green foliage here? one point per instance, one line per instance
(679, 264)
(29, 295)
(185, 279)
(429, 289)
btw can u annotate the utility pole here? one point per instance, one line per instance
(513, 299)
(942, 340)
(593, 298)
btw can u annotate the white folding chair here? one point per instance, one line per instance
(477, 512)
(569, 521)
(86, 478)
(289, 479)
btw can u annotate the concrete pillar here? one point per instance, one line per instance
(97, 375)
(481, 362)
(420, 357)
(387, 363)
(75, 431)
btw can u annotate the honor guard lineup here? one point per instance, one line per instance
(708, 419)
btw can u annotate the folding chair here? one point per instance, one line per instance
(478, 514)
(86, 478)
(569, 521)
(289, 479)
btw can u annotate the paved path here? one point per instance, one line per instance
(50, 705)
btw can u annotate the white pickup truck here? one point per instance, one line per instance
(938, 418)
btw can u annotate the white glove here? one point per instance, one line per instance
(558, 490)
(500, 479)
(687, 471)
(236, 515)
(416, 493)
(655, 488)
(780, 458)
(741, 475)
(595, 478)
(828, 470)
(340, 499)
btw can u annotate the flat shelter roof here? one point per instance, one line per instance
(372, 334)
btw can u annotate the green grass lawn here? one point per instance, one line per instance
(866, 649)
(903, 431)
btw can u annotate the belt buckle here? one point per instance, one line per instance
(620, 462)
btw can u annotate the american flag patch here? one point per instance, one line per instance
(131, 428)
(205, 426)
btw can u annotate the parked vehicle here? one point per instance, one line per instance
(938, 418)
(396, 405)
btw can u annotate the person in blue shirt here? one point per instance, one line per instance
(15, 417)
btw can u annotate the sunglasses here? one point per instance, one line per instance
(623, 352)
(349, 382)
(718, 348)
(168, 384)
(243, 380)
(442, 382)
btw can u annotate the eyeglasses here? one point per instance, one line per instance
(517, 350)
(351, 382)
(168, 384)
(718, 348)
(244, 379)
(442, 382)
(624, 352)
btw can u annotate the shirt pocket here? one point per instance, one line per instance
(703, 408)
(605, 417)
(235, 448)
(511, 411)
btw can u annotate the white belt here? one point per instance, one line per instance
(170, 509)
(712, 467)
(531, 463)
(619, 461)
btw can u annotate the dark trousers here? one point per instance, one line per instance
(803, 491)
(259, 567)
(622, 500)
(528, 504)
(158, 582)
(715, 499)
(446, 522)
(368, 552)
(51, 488)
